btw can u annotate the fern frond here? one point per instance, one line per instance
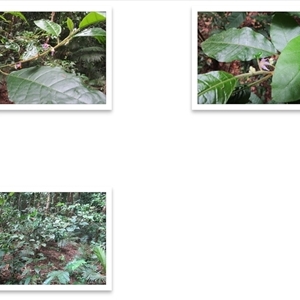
(89, 54)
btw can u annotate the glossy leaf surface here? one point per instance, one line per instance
(286, 78)
(50, 27)
(47, 85)
(215, 87)
(283, 29)
(237, 44)
(91, 18)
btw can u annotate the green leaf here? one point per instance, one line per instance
(31, 51)
(90, 19)
(254, 99)
(235, 19)
(294, 13)
(96, 32)
(283, 29)
(286, 78)
(73, 265)
(47, 85)
(240, 95)
(2, 18)
(17, 14)
(237, 44)
(50, 27)
(12, 46)
(62, 276)
(70, 24)
(215, 87)
(101, 255)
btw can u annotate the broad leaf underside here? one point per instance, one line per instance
(47, 85)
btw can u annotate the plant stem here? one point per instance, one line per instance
(254, 74)
(260, 80)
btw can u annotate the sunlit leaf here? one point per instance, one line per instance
(286, 78)
(76, 263)
(91, 18)
(237, 44)
(215, 87)
(70, 24)
(50, 27)
(283, 29)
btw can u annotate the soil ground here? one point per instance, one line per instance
(55, 260)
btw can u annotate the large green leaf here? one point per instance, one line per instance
(215, 87)
(47, 85)
(50, 27)
(237, 44)
(283, 29)
(286, 78)
(91, 18)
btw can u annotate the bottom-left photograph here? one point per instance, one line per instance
(53, 239)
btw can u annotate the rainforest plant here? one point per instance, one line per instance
(30, 66)
(273, 57)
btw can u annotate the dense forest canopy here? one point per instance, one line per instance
(52, 238)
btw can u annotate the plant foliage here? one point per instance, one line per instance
(271, 57)
(32, 224)
(36, 58)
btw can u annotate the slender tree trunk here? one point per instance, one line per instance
(48, 202)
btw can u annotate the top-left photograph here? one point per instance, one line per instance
(55, 60)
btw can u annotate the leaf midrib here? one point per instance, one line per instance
(213, 87)
(240, 45)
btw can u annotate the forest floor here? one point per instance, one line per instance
(55, 260)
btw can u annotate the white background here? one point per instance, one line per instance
(205, 204)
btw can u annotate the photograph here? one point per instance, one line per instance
(52, 239)
(247, 58)
(54, 60)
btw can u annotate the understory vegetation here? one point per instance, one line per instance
(52, 238)
(248, 58)
(52, 57)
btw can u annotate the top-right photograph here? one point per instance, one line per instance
(248, 58)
